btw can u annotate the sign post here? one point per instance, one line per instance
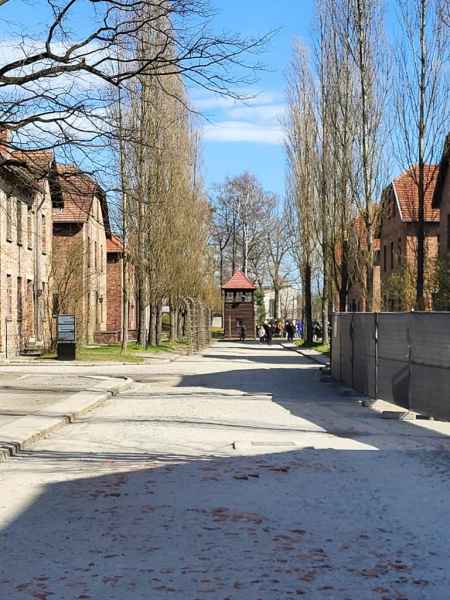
(66, 340)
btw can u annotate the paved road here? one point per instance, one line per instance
(235, 475)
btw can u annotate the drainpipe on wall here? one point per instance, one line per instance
(36, 269)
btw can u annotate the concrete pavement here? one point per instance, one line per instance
(34, 404)
(234, 475)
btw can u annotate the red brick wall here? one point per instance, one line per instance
(403, 237)
(445, 214)
(114, 292)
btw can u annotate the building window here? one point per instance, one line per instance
(19, 299)
(19, 222)
(384, 258)
(392, 256)
(29, 228)
(89, 252)
(101, 259)
(30, 306)
(399, 252)
(43, 234)
(95, 256)
(9, 217)
(9, 296)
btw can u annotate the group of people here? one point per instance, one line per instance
(266, 332)
(269, 329)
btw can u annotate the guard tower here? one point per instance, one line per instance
(238, 306)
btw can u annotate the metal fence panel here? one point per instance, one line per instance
(336, 347)
(363, 352)
(408, 365)
(346, 349)
(430, 364)
(393, 352)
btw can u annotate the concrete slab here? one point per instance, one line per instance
(48, 411)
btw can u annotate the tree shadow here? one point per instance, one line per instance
(324, 405)
(276, 525)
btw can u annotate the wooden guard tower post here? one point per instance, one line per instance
(239, 306)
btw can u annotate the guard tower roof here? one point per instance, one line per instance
(239, 282)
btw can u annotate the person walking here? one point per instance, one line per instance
(242, 332)
(261, 334)
(269, 334)
(290, 332)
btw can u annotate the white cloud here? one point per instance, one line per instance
(263, 113)
(255, 120)
(243, 131)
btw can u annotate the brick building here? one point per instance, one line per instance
(114, 294)
(25, 251)
(441, 200)
(80, 232)
(239, 306)
(398, 238)
(357, 294)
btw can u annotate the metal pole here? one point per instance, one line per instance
(376, 357)
(353, 346)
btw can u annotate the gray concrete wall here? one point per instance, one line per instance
(400, 357)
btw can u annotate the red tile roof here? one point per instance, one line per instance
(29, 166)
(76, 190)
(443, 170)
(114, 244)
(406, 190)
(239, 282)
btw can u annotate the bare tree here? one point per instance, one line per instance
(277, 248)
(241, 212)
(422, 104)
(301, 148)
(56, 87)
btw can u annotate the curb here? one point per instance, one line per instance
(321, 360)
(23, 432)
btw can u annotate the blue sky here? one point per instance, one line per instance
(239, 137)
(236, 136)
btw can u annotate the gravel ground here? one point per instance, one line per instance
(235, 475)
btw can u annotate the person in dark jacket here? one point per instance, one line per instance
(290, 330)
(242, 331)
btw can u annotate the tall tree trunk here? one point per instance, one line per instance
(420, 298)
(158, 328)
(152, 326)
(276, 302)
(366, 168)
(343, 290)
(308, 305)
(221, 250)
(173, 323)
(245, 251)
(180, 324)
(325, 303)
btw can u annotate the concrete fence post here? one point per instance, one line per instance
(352, 337)
(408, 338)
(375, 339)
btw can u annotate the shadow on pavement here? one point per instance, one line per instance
(320, 524)
(301, 392)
